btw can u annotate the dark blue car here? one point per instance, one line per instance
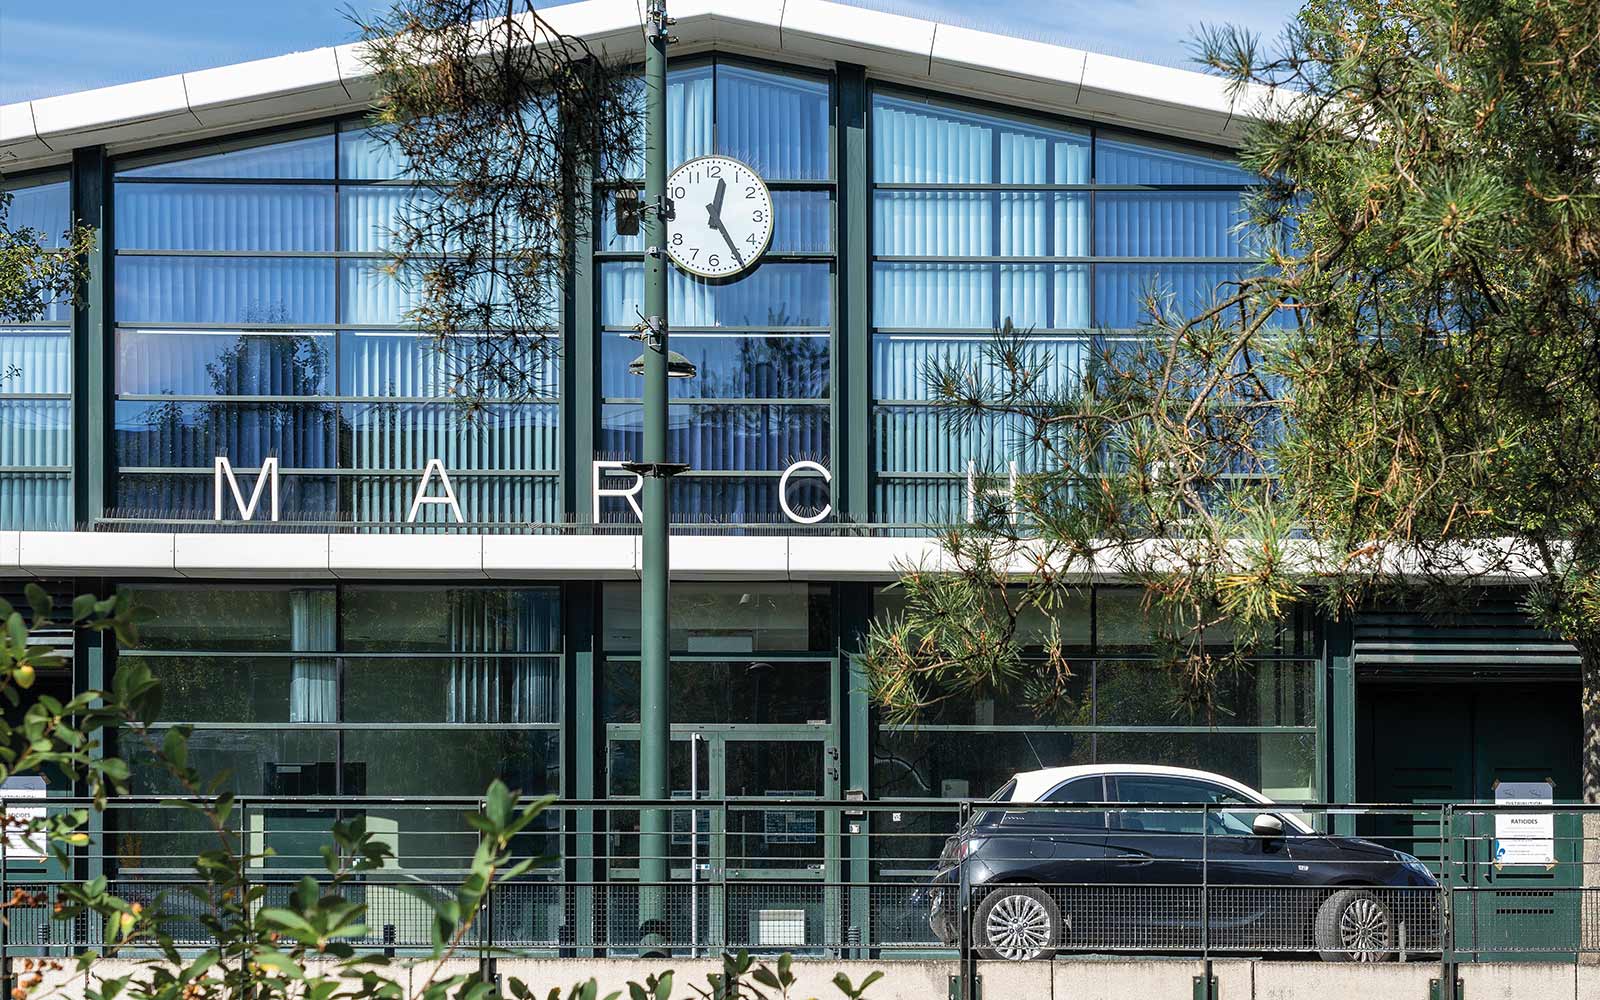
(1120, 874)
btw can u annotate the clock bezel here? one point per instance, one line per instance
(750, 261)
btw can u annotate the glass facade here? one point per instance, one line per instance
(253, 321)
(762, 344)
(36, 379)
(250, 320)
(347, 691)
(982, 217)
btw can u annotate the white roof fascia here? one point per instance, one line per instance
(561, 557)
(112, 114)
(248, 555)
(174, 109)
(1153, 97)
(888, 42)
(757, 24)
(247, 93)
(1029, 71)
(19, 138)
(10, 553)
(88, 553)
(409, 557)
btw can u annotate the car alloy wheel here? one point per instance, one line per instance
(1018, 927)
(1364, 929)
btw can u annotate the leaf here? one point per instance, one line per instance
(39, 600)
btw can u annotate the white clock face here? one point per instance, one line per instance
(722, 217)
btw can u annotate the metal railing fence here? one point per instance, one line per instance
(973, 880)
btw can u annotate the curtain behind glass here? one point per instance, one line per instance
(504, 690)
(313, 681)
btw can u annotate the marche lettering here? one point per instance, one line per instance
(605, 487)
(443, 493)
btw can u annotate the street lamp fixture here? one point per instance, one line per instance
(678, 366)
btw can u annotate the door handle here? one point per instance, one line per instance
(1135, 858)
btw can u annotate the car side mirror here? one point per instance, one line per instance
(1267, 825)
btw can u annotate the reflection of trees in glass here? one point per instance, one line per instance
(271, 383)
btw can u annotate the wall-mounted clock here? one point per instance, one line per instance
(722, 217)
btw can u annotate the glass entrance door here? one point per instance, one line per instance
(754, 869)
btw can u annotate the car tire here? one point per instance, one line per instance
(1016, 924)
(1354, 925)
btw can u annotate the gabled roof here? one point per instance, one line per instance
(334, 80)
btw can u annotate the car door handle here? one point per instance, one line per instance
(1135, 859)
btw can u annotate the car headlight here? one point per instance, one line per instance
(1414, 865)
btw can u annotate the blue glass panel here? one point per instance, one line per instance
(191, 496)
(932, 439)
(35, 501)
(920, 142)
(802, 223)
(1042, 156)
(364, 155)
(225, 363)
(742, 500)
(224, 290)
(35, 360)
(1044, 296)
(1119, 161)
(1044, 224)
(933, 296)
(900, 361)
(723, 436)
(775, 294)
(407, 435)
(1168, 224)
(308, 158)
(372, 297)
(368, 215)
(224, 217)
(35, 433)
(742, 366)
(979, 296)
(920, 501)
(483, 499)
(44, 208)
(301, 435)
(1120, 289)
(368, 295)
(933, 223)
(776, 124)
(690, 123)
(375, 363)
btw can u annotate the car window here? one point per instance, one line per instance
(1077, 790)
(1134, 788)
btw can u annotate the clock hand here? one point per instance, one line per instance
(714, 210)
(737, 256)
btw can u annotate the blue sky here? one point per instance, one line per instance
(56, 46)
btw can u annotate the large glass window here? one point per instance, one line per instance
(980, 218)
(761, 342)
(36, 380)
(318, 691)
(254, 321)
(1122, 706)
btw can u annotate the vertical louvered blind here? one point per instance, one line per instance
(982, 218)
(254, 320)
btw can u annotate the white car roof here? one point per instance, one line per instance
(1033, 785)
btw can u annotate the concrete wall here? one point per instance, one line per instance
(1108, 979)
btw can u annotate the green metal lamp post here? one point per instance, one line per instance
(655, 731)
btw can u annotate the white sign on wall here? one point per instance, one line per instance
(15, 791)
(1524, 838)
